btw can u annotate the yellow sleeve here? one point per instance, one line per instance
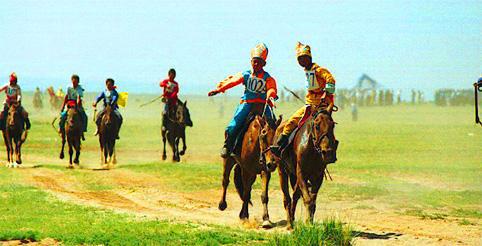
(324, 75)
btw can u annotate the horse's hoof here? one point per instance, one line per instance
(61, 156)
(267, 224)
(243, 216)
(222, 205)
(19, 161)
(164, 157)
(76, 162)
(182, 152)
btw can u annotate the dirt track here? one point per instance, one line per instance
(145, 195)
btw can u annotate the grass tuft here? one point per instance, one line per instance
(329, 232)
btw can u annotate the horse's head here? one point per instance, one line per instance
(13, 114)
(187, 115)
(179, 113)
(107, 118)
(72, 117)
(266, 138)
(322, 134)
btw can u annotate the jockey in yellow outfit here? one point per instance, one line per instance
(320, 84)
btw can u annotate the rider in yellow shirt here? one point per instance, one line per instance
(321, 86)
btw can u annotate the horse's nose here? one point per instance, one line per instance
(329, 156)
(271, 165)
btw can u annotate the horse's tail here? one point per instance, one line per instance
(238, 182)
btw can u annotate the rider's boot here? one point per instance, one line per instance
(228, 146)
(83, 137)
(280, 145)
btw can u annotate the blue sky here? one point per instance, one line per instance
(402, 44)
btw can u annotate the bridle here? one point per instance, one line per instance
(317, 141)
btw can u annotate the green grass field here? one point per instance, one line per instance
(397, 165)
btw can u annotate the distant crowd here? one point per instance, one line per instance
(453, 97)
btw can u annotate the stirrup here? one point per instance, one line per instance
(225, 153)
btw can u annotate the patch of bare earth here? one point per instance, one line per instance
(43, 242)
(143, 194)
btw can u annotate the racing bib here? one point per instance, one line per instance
(255, 84)
(12, 92)
(312, 83)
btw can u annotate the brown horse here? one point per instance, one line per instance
(73, 134)
(174, 130)
(108, 131)
(249, 164)
(304, 161)
(13, 135)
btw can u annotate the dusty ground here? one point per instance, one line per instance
(145, 195)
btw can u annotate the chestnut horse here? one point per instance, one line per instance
(108, 131)
(73, 133)
(13, 135)
(304, 161)
(249, 164)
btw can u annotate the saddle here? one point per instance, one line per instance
(256, 110)
(307, 115)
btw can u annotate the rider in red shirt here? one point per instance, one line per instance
(169, 95)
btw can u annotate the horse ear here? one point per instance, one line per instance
(330, 108)
(280, 119)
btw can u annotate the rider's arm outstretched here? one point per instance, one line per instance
(228, 83)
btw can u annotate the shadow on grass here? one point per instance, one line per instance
(372, 235)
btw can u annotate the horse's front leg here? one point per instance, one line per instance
(172, 142)
(248, 181)
(102, 150)
(176, 152)
(303, 188)
(71, 152)
(184, 147)
(228, 164)
(316, 181)
(18, 153)
(164, 155)
(286, 195)
(114, 156)
(77, 151)
(7, 146)
(63, 146)
(265, 177)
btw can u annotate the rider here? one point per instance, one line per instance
(320, 84)
(169, 95)
(60, 92)
(14, 95)
(73, 98)
(37, 97)
(260, 87)
(110, 97)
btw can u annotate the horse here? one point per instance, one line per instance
(55, 101)
(73, 134)
(174, 130)
(304, 161)
(108, 131)
(249, 164)
(14, 135)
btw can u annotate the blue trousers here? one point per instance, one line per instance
(240, 116)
